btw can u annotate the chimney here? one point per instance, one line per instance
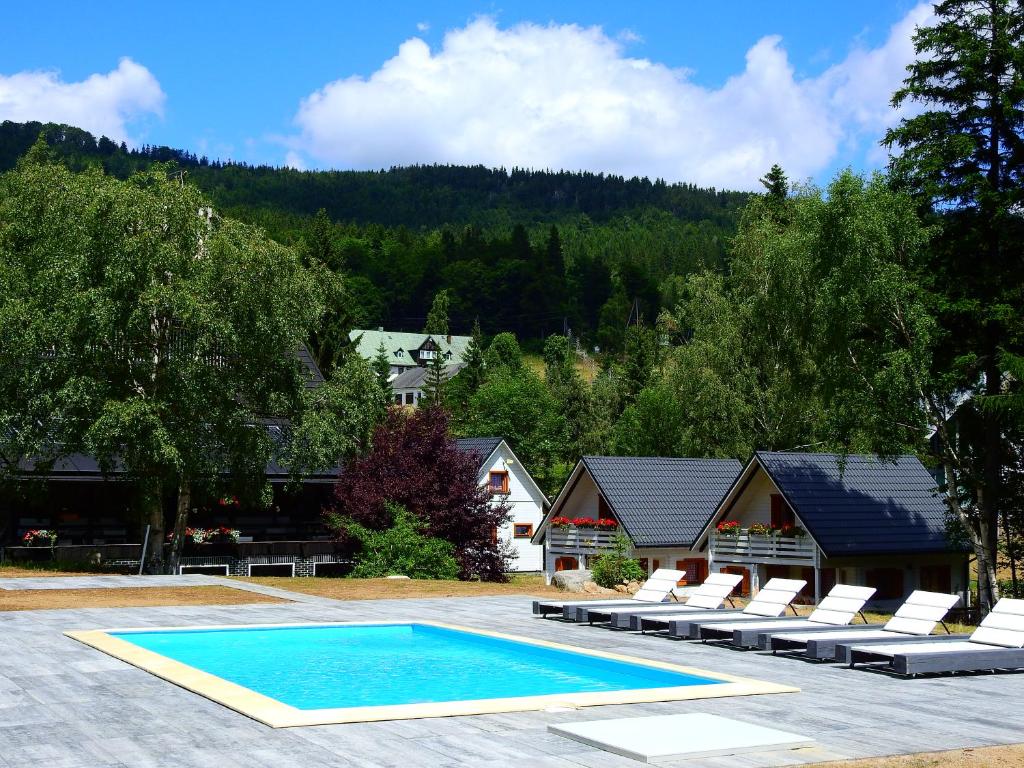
(449, 339)
(380, 329)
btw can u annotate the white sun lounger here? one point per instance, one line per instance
(772, 600)
(916, 618)
(997, 643)
(839, 607)
(657, 589)
(709, 596)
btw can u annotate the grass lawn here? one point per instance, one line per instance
(1011, 756)
(130, 597)
(378, 589)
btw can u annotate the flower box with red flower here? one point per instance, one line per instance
(728, 528)
(584, 522)
(607, 524)
(562, 523)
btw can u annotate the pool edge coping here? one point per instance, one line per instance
(276, 714)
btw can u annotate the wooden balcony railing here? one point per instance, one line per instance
(762, 547)
(579, 539)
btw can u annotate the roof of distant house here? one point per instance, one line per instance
(400, 346)
(416, 378)
(859, 505)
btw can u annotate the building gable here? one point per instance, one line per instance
(854, 505)
(659, 502)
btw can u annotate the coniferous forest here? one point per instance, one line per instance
(531, 252)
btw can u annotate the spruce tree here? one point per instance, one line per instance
(382, 367)
(962, 154)
(437, 318)
(472, 375)
(434, 385)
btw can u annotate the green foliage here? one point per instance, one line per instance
(144, 334)
(524, 251)
(336, 419)
(402, 549)
(615, 566)
(504, 352)
(435, 384)
(776, 184)
(961, 153)
(517, 405)
(382, 368)
(437, 318)
(472, 375)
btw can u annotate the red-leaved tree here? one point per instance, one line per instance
(414, 462)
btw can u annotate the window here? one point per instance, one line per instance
(399, 353)
(497, 483)
(427, 354)
(447, 355)
(398, 399)
(522, 530)
(410, 398)
(566, 563)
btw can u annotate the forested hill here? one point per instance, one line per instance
(417, 197)
(527, 251)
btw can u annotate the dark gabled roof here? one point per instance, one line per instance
(662, 502)
(314, 378)
(482, 447)
(862, 505)
(415, 378)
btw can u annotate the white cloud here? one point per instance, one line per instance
(423, 26)
(564, 96)
(103, 104)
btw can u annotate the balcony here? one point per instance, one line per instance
(744, 548)
(582, 540)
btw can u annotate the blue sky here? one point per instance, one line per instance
(704, 92)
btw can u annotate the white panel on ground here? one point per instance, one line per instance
(670, 737)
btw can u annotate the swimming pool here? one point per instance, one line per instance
(329, 673)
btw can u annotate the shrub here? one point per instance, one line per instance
(414, 463)
(1006, 588)
(401, 549)
(615, 566)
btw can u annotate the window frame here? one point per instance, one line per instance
(527, 535)
(501, 490)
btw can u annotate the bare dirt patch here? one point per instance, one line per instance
(383, 589)
(18, 572)
(982, 757)
(129, 597)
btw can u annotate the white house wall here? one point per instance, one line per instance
(527, 505)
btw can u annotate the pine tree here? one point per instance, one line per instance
(962, 154)
(472, 375)
(434, 386)
(437, 318)
(382, 368)
(775, 183)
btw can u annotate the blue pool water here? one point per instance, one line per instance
(355, 666)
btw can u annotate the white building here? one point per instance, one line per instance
(510, 483)
(406, 351)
